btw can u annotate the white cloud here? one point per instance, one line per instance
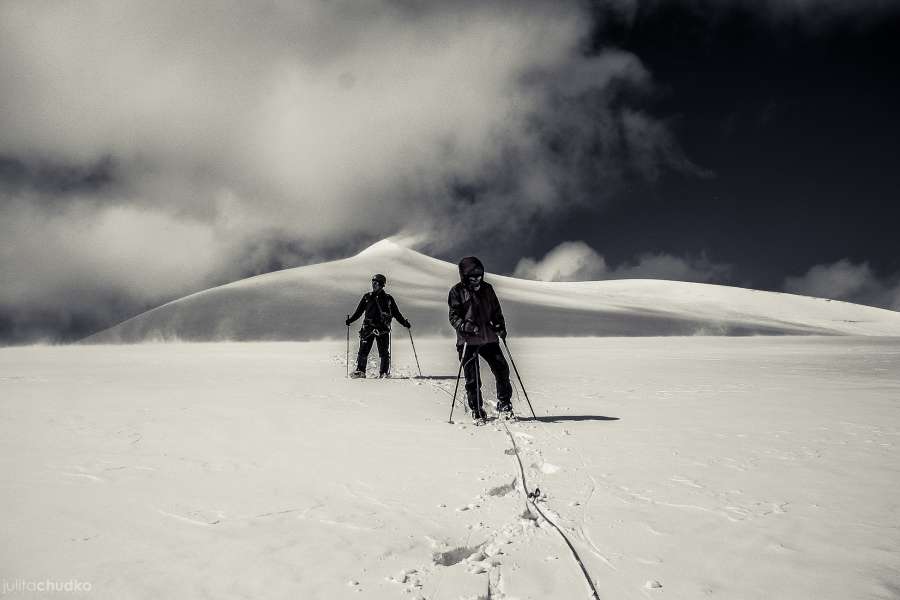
(845, 280)
(569, 261)
(328, 119)
(577, 261)
(258, 127)
(77, 255)
(667, 266)
(839, 280)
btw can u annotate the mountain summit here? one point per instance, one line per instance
(311, 302)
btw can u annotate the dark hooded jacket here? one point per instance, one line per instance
(474, 308)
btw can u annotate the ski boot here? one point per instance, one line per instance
(357, 374)
(479, 417)
(504, 409)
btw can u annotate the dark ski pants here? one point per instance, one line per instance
(493, 355)
(384, 351)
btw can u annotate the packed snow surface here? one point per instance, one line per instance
(744, 467)
(308, 303)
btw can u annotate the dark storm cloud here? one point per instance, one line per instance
(582, 145)
(53, 181)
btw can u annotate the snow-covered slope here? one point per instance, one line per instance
(310, 303)
(761, 468)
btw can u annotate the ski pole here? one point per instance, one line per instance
(458, 373)
(409, 331)
(519, 377)
(348, 348)
(479, 400)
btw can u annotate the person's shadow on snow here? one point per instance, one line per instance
(562, 418)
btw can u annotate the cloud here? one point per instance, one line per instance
(849, 281)
(257, 135)
(569, 261)
(667, 266)
(333, 119)
(82, 266)
(577, 261)
(652, 147)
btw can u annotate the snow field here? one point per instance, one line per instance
(678, 467)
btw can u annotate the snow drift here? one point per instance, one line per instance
(307, 303)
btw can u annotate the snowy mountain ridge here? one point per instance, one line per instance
(310, 302)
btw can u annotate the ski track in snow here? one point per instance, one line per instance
(482, 540)
(487, 557)
(725, 506)
(484, 558)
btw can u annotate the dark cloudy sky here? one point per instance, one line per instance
(149, 151)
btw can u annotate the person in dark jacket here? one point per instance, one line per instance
(476, 316)
(379, 309)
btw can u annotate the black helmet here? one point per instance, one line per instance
(379, 278)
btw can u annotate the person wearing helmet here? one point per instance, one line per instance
(379, 308)
(476, 316)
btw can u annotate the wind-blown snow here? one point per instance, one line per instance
(310, 302)
(756, 468)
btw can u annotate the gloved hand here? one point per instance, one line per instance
(469, 327)
(347, 322)
(502, 334)
(406, 324)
